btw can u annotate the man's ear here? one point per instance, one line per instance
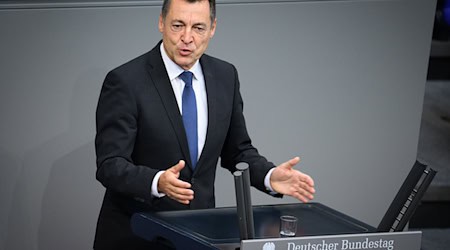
(213, 28)
(161, 23)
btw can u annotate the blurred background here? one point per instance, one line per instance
(432, 215)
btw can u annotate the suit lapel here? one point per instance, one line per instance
(211, 92)
(162, 84)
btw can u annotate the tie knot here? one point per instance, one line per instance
(186, 76)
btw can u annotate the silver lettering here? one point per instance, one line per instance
(344, 245)
(291, 246)
(365, 244)
(390, 245)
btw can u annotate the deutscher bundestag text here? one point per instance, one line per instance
(345, 245)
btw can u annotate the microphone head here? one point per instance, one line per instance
(242, 166)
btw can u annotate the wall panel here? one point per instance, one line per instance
(339, 83)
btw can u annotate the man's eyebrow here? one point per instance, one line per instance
(199, 24)
(195, 24)
(177, 21)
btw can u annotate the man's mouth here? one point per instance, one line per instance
(185, 52)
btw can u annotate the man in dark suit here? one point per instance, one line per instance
(151, 154)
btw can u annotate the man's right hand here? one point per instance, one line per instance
(173, 187)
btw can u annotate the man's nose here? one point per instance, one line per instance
(187, 35)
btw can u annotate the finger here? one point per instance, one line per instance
(302, 198)
(178, 167)
(291, 163)
(184, 194)
(182, 199)
(294, 161)
(308, 192)
(306, 179)
(177, 183)
(181, 195)
(303, 195)
(307, 185)
(186, 202)
(302, 191)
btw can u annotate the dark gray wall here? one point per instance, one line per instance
(339, 83)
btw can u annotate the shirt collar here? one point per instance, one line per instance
(174, 70)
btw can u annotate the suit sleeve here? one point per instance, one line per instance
(238, 145)
(116, 124)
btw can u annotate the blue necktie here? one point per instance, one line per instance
(189, 111)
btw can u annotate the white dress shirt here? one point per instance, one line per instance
(198, 84)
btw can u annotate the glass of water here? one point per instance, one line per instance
(288, 226)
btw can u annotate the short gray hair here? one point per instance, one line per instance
(212, 8)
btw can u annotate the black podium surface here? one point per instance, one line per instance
(218, 228)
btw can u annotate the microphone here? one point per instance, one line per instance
(244, 201)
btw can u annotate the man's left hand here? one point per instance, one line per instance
(288, 181)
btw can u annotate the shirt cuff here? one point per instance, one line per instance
(155, 192)
(267, 182)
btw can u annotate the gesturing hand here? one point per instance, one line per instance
(173, 187)
(288, 181)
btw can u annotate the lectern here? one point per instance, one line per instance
(224, 228)
(218, 228)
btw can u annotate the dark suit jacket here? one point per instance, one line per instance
(140, 132)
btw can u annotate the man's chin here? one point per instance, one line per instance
(185, 64)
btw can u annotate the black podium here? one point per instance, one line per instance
(218, 228)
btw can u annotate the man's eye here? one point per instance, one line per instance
(199, 29)
(177, 27)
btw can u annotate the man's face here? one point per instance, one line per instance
(186, 31)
